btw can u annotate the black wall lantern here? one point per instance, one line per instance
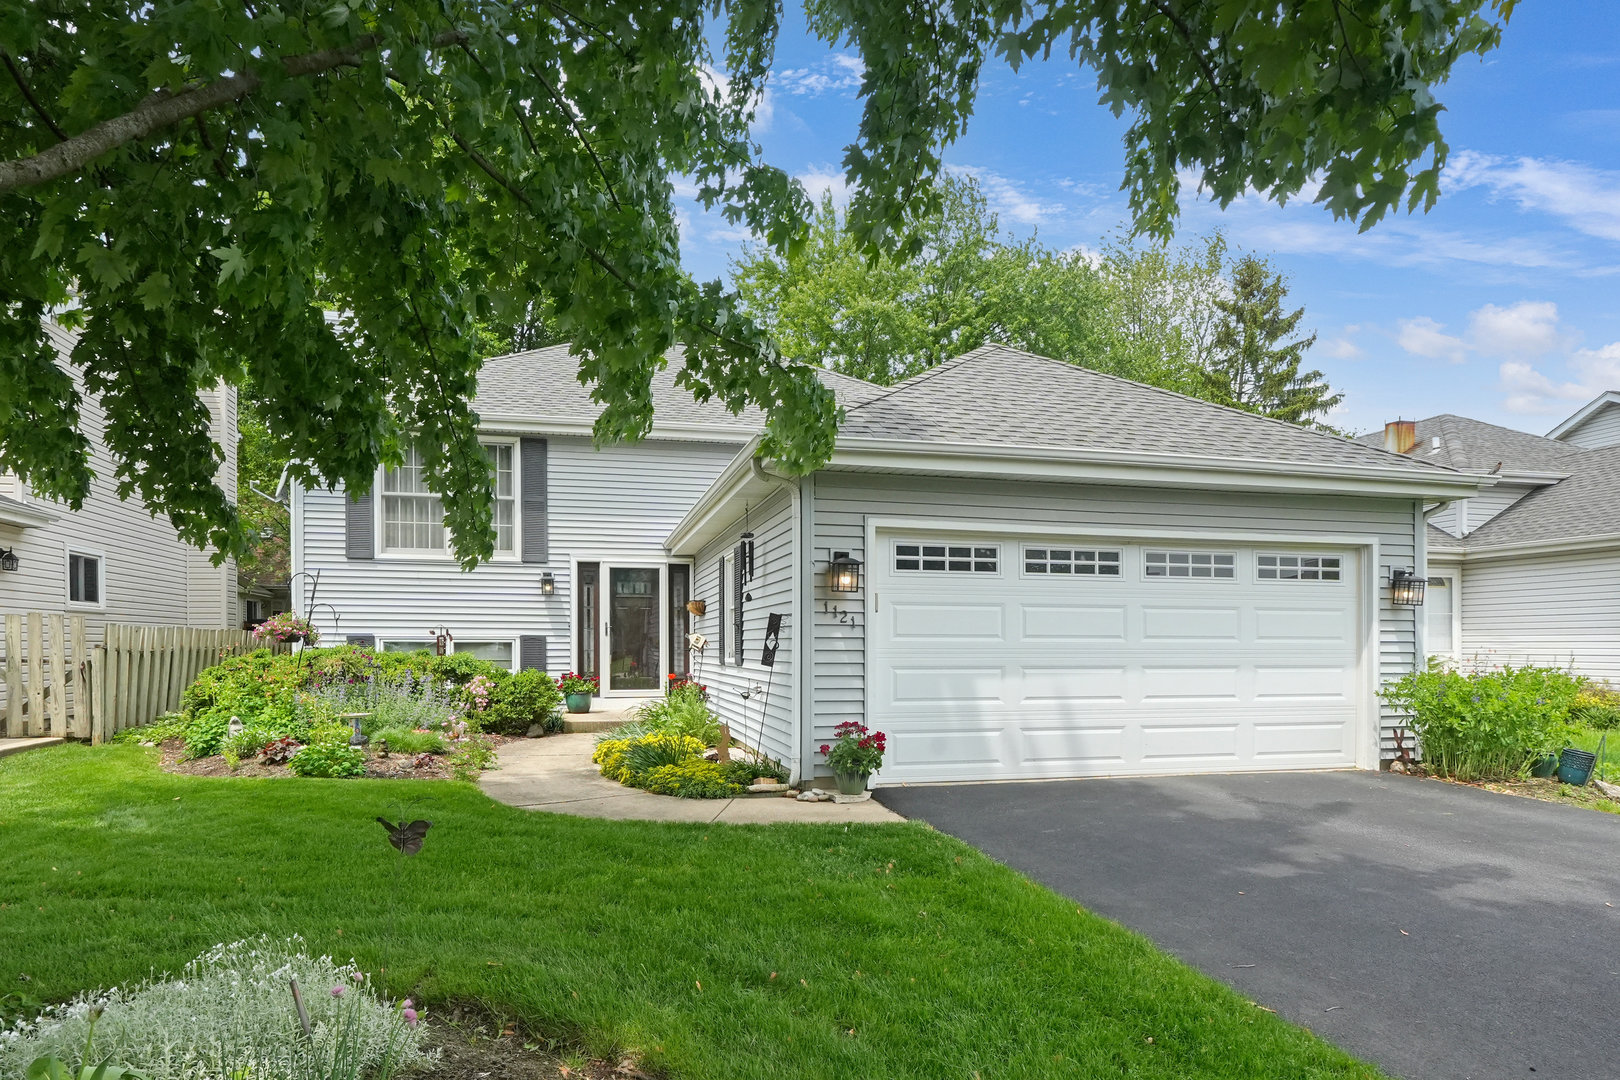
(1406, 588)
(8, 559)
(844, 573)
(548, 584)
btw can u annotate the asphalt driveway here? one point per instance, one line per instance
(1442, 932)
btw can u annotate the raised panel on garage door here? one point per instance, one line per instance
(1027, 656)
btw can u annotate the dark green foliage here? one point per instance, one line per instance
(1252, 367)
(745, 771)
(1486, 725)
(519, 701)
(329, 760)
(447, 174)
(409, 741)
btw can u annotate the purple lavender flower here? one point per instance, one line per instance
(337, 991)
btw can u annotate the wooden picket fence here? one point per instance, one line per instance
(135, 675)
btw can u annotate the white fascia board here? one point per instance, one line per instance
(709, 512)
(1149, 469)
(511, 424)
(24, 515)
(1564, 546)
(1580, 415)
(1541, 479)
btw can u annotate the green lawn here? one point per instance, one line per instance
(719, 951)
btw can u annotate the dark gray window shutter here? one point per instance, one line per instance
(532, 478)
(365, 641)
(737, 611)
(720, 608)
(532, 652)
(359, 527)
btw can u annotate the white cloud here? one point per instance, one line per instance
(1523, 331)
(1424, 337)
(1585, 197)
(820, 180)
(1007, 197)
(718, 84)
(1590, 371)
(838, 73)
(1339, 348)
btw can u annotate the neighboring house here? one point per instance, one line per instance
(1527, 571)
(1061, 573)
(112, 560)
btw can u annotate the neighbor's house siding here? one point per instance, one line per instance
(1465, 515)
(771, 590)
(843, 502)
(1555, 610)
(616, 502)
(1601, 429)
(149, 575)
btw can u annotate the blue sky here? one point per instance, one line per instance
(1502, 303)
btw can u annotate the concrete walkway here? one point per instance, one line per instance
(21, 743)
(555, 774)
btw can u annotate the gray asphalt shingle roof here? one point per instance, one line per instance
(1475, 446)
(543, 383)
(997, 395)
(1585, 504)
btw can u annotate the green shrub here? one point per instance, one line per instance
(519, 701)
(693, 778)
(682, 712)
(410, 741)
(329, 760)
(1596, 707)
(246, 743)
(1486, 725)
(472, 756)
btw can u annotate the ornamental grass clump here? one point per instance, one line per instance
(230, 1013)
(631, 761)
(1486, 725)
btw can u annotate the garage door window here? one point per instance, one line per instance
(947, 557)
(1085, 562)
(1298, 568)
(1189, 564)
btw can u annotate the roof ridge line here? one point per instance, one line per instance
(921, 377)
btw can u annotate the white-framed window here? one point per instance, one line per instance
(1280, 567)
(398, 645)
(86, 579)
(947, 558)
(413, 516)
(1439, 614)
(733, 654)
(1208, 565)
(1076, 562)
(503, 653)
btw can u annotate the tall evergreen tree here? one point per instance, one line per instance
(1252, 366)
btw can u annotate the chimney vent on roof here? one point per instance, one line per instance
(1400, 436)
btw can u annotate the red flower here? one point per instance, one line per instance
(825, 748)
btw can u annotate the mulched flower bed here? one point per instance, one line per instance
(1549, 790)
(378, 766)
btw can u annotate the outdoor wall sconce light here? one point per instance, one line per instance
(844, 573)
(548, 584)
(1406, 588)
(8, 559)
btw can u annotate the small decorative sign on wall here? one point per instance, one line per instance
(773, 636)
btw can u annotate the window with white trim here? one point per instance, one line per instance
(84, 578)
(404, 646)
(1299, 568)
(948, 558)
(496, 652)
(1189, 564)
(1083, 562)
(413, 516)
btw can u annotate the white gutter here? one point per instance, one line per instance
(1140, 467)
(1556, 546)
(22, 515)
(511, 423)
(739, 470)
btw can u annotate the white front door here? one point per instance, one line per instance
(1014, 656)
(633, 649)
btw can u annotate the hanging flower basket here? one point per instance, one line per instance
(288, 628)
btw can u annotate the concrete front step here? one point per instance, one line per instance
(574, 723)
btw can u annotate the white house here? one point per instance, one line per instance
(113, 560)
(1061, 573)
(1527, 571)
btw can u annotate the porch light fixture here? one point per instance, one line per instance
(8, 559)
(548, 584)
(844, 573)
(1406, 588)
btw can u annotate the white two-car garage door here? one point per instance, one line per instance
(1001, 657)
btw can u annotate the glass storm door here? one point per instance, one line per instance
(634, 629)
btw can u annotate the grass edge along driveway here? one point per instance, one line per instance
(711, 951)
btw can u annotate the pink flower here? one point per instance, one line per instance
(337, 991)
(407, 1004)
(410, 1017)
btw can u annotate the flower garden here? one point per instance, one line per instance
(349, 711)
(672, 747)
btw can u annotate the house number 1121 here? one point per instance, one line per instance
(847, 618)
